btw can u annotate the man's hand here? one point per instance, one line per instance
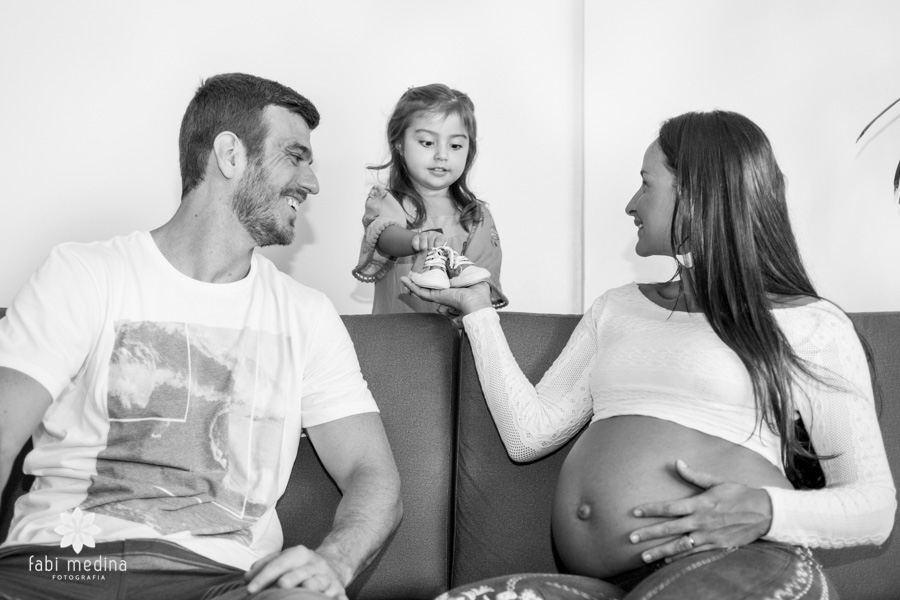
(297, 567)
(724, 515)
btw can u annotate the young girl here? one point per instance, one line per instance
(427, 223)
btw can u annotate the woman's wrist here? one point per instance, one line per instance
(474, 305)
(479, 315)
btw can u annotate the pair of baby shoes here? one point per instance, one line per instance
(445, 268)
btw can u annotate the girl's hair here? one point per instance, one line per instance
(731, 214)
(436, 99)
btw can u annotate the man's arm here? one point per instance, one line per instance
(356, 453)
(23, 402)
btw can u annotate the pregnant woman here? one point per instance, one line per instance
(694, 388)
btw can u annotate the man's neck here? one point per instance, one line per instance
(205, 242)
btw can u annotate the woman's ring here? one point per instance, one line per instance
(690, 540)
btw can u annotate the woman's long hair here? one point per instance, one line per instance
(436, 99)
(731, 214)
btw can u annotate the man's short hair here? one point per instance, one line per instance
(232, 102)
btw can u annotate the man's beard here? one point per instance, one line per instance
(256, 204)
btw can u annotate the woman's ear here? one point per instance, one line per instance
(230, 154)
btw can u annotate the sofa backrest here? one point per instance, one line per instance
(503, 508)
(871, 572)
(410, 363)
(499, 502)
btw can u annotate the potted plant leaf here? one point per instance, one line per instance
(897, 172)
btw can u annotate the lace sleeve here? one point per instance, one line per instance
(857, 505)
(534, 420)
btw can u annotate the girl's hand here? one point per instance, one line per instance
(427, 240)
(725, 515)
(465, 300)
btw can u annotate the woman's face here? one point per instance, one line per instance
(653, 204)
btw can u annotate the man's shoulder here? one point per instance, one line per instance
(281, 282)
(103, 249)
(109, 255)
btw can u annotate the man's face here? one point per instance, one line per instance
(276, 181)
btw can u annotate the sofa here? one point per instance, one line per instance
(471, 513)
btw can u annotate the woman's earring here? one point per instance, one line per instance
(685, 260)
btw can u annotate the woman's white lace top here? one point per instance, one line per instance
(629, 356)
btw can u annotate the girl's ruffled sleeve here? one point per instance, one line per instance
(382, 211)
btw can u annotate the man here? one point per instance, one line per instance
(167, 375)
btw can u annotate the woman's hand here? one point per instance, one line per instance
(725, 515)
(465, 300)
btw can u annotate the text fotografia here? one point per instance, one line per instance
(76, 569)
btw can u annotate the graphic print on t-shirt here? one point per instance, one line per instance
(195, 427)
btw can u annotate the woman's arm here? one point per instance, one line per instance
(859, 502)
(532, 420)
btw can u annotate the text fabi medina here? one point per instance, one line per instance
(76, 565)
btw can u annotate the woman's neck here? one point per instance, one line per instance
(677, 295)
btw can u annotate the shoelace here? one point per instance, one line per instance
(436, 257)
(457, 260)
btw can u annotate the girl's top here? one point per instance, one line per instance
(629, 356)
(481, 245)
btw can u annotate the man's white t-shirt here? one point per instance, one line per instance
(177, 404)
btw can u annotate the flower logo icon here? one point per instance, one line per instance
(78, 530)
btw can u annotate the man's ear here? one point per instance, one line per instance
(229, 154)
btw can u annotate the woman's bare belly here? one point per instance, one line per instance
(623, 462)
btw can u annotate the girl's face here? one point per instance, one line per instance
(434, 149)
(653, 205)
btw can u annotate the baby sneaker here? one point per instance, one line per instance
(434, 273)
(463, 272)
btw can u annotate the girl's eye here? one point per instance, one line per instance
(456, 146)
(426, 143)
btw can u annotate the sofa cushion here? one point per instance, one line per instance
(503, 508)
(871, 572)
(410, 363)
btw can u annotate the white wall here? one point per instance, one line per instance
(94, 91)
(811, 73)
